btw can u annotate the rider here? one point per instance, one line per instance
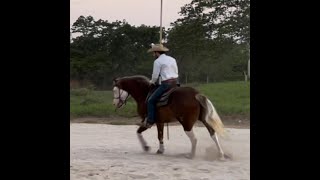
(165, 67)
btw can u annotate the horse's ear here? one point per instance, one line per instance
(115, 80)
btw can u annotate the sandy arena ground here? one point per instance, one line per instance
(102, 151)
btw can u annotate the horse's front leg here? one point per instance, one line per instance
(144, 145)
(160, 137)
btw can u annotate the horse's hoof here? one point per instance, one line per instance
(224, 157)
(189, 156)
(146, 148)
(159, 152)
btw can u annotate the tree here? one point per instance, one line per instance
(222, 18)
(104, 50)
(206, 35)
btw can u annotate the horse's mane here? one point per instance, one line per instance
(137, 77)
(140, 79)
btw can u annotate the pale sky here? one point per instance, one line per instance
(135, 12)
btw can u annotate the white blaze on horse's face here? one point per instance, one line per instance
(119, 96)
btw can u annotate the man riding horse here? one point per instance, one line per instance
(164, 68)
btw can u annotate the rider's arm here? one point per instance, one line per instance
(156, 71)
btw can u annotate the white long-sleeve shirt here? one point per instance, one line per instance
(166, 67)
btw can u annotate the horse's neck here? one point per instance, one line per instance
(140, 98)
(137, 95)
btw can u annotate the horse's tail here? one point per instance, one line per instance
(210, 115)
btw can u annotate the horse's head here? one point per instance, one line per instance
(120, 96)
(137, 86)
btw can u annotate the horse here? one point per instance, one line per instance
(183, 104)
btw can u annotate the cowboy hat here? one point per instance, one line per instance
(158, 47)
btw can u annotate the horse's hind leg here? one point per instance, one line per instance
(187, 126)
(143, 143)
(160, 137)
(214, 136)
(193, 140)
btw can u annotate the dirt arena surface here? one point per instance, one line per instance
(104, 151)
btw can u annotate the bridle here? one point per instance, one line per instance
(123, 102)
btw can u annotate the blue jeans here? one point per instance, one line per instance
(152, 101)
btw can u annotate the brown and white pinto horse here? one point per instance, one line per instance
(185, 105)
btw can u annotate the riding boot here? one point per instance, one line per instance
(146, 124)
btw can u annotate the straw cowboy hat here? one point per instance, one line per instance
(157, 47)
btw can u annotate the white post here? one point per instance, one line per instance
(160, 40)
(249, 68)
(249, 63)
(245, 76)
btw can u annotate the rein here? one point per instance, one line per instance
(120, 100)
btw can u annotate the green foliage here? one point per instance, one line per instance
(106, 50)
(211, 40)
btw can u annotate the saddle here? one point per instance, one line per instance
(164, 98)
